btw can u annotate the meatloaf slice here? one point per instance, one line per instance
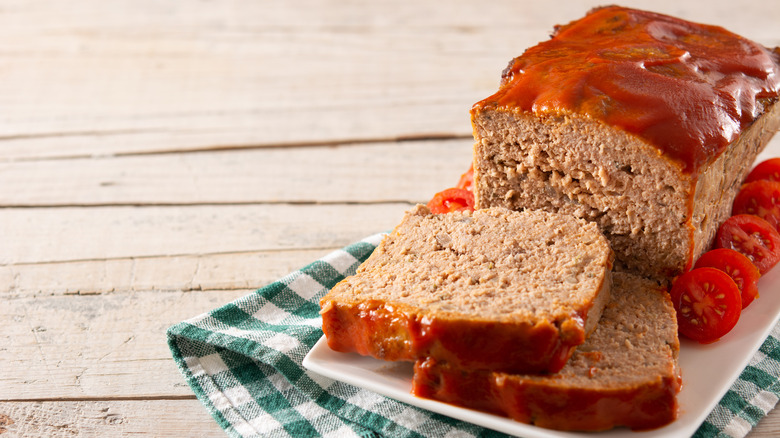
(641, 123)
(625, 374)
(490, 289)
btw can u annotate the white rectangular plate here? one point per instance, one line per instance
(708, 372)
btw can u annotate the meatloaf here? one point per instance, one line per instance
(639, 122)
(491, 289)
(625, 374)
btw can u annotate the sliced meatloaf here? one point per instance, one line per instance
(641, 123)
(625, 374)
(490, 289)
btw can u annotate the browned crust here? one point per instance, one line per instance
(646, 405)
(395, 332)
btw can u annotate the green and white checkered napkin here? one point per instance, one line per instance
(243, 361)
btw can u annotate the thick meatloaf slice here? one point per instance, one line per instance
(641, 123)
(625, 374)
(490, 289)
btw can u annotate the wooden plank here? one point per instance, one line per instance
(150, 87)
(384, 171)
(425, 16)
(107, 419)
(45, 235)
(354, 173)
(96, 346)
(242, 271)
(88, 79)
(767, 427)
(88, 292)
(158, 418)
(83, 351)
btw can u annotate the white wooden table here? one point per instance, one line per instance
(161, 158)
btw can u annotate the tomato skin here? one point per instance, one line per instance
(753, 237)
(768, 169)
(452, 199)
(738, 267)
(466, 181)
(708, 304)
(760, 198)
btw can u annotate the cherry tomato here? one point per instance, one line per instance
(708, 304)
(760, 198)
(738, 267)
(453, 199)
(467, 180)
(753, 237)
(769, 169)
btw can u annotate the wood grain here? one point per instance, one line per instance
(137, 77)
(374, 172)
(41, 235)
(185, 273)
(86, 347)
(160, 159)
(109, 418)
(158, 418)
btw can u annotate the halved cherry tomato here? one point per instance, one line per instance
(753, 237)
(467, 180)
(453, 199)
(708, 304)
(769, 169)
(738, 267)
(760, 198)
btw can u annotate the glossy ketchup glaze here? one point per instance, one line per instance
(392, 332)
(541, 401)
(686, 88)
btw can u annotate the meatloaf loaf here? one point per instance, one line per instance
(491, 289)
(625, 374)
(642, 123)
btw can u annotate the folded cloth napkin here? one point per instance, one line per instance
(243, 361)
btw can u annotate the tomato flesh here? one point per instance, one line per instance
(768, 169)
(708, 304)
(452, 199)
(467, 180)
(753, 237)
(738, 267)
(760, 198)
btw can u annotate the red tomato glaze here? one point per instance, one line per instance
(687, 88)
(395, 332)
(532, 399)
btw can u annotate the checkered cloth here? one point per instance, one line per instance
(243, 361)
